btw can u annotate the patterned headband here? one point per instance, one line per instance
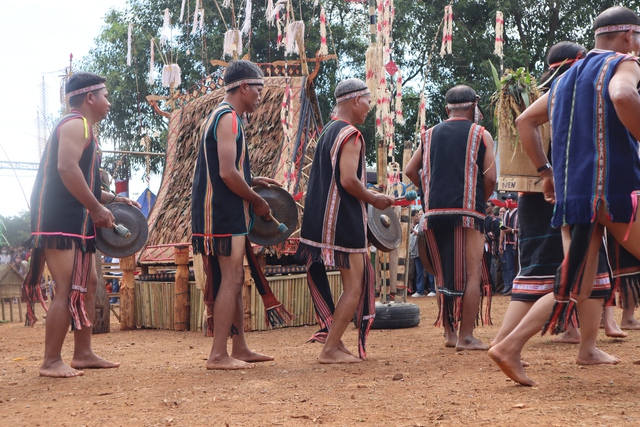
(237, 83)
(357, 93)
(86, 89)
(461, 106)
(617, 28)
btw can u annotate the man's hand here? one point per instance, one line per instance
(260, 206)
(264, 181)
(127, 201)
(102, 217)
(548, 189)
(382, 201)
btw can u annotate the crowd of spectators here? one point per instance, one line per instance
(17, 256)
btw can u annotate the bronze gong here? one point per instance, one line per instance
(423, 249)
(129, 234)
(267, 231)
(383, 228)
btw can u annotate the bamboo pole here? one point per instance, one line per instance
(181, 302)
(127, 299)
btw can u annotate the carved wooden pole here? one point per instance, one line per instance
(127, 300)
(102, 320)
(181, 305)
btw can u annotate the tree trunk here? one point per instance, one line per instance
(102, 321)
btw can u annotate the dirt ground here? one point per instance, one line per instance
(410, 379)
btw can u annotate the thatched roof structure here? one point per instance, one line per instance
(271, 154)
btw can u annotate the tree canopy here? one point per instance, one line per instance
(530, 28)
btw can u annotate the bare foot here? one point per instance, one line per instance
(450, 338)
(614, 331)
(570, 336)
(228, 363)
(597, 357)
(92, 362)
(511, 365)
(337, 356)
(251, 356)
(343, 348)
(470, 343)
(630, 325)
(59, 369)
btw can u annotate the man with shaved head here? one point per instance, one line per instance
(334, 227)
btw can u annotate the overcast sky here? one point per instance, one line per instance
(36, 40)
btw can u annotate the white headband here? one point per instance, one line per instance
(461, 106)
(352, 95)
(237, 83)
(617, 28)
(86, 89)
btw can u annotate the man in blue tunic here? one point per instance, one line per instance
(594, 181)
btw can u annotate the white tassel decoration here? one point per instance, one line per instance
(246, 26)
(323, 33)
(226, 3)
(273, 16)
(269, 11)
(152, 66)
(447, 30)
(294, 30)
(232, 42)
(499, 35)
(165, 27)
(171, 75)
(182, 10)
(129, 37)
(399, 115)
(194, 27)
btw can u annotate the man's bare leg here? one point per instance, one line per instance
(629, 322)
(225, 310)
(516, 310)
(506, 353)
(589, 354)
(570, 336)
(474, 252)
(83, 355)
(353, 285)
(239, 348)
(58, 317)
(611, 328)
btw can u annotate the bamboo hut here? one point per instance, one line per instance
(10, 290)
(280, 147)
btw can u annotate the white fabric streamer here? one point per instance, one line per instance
(280, 5)
(246, 27)
(166, 27)
(269, 11)
(194, 27)
(129, 37)
(182, 10)
(171, 75)
(294, 30)
(324, 50)
(152, 74)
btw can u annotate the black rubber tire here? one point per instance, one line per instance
(395, 316)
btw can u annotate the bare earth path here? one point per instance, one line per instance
(410, 379)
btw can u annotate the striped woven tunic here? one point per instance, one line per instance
(217, 213)
(595, 158)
